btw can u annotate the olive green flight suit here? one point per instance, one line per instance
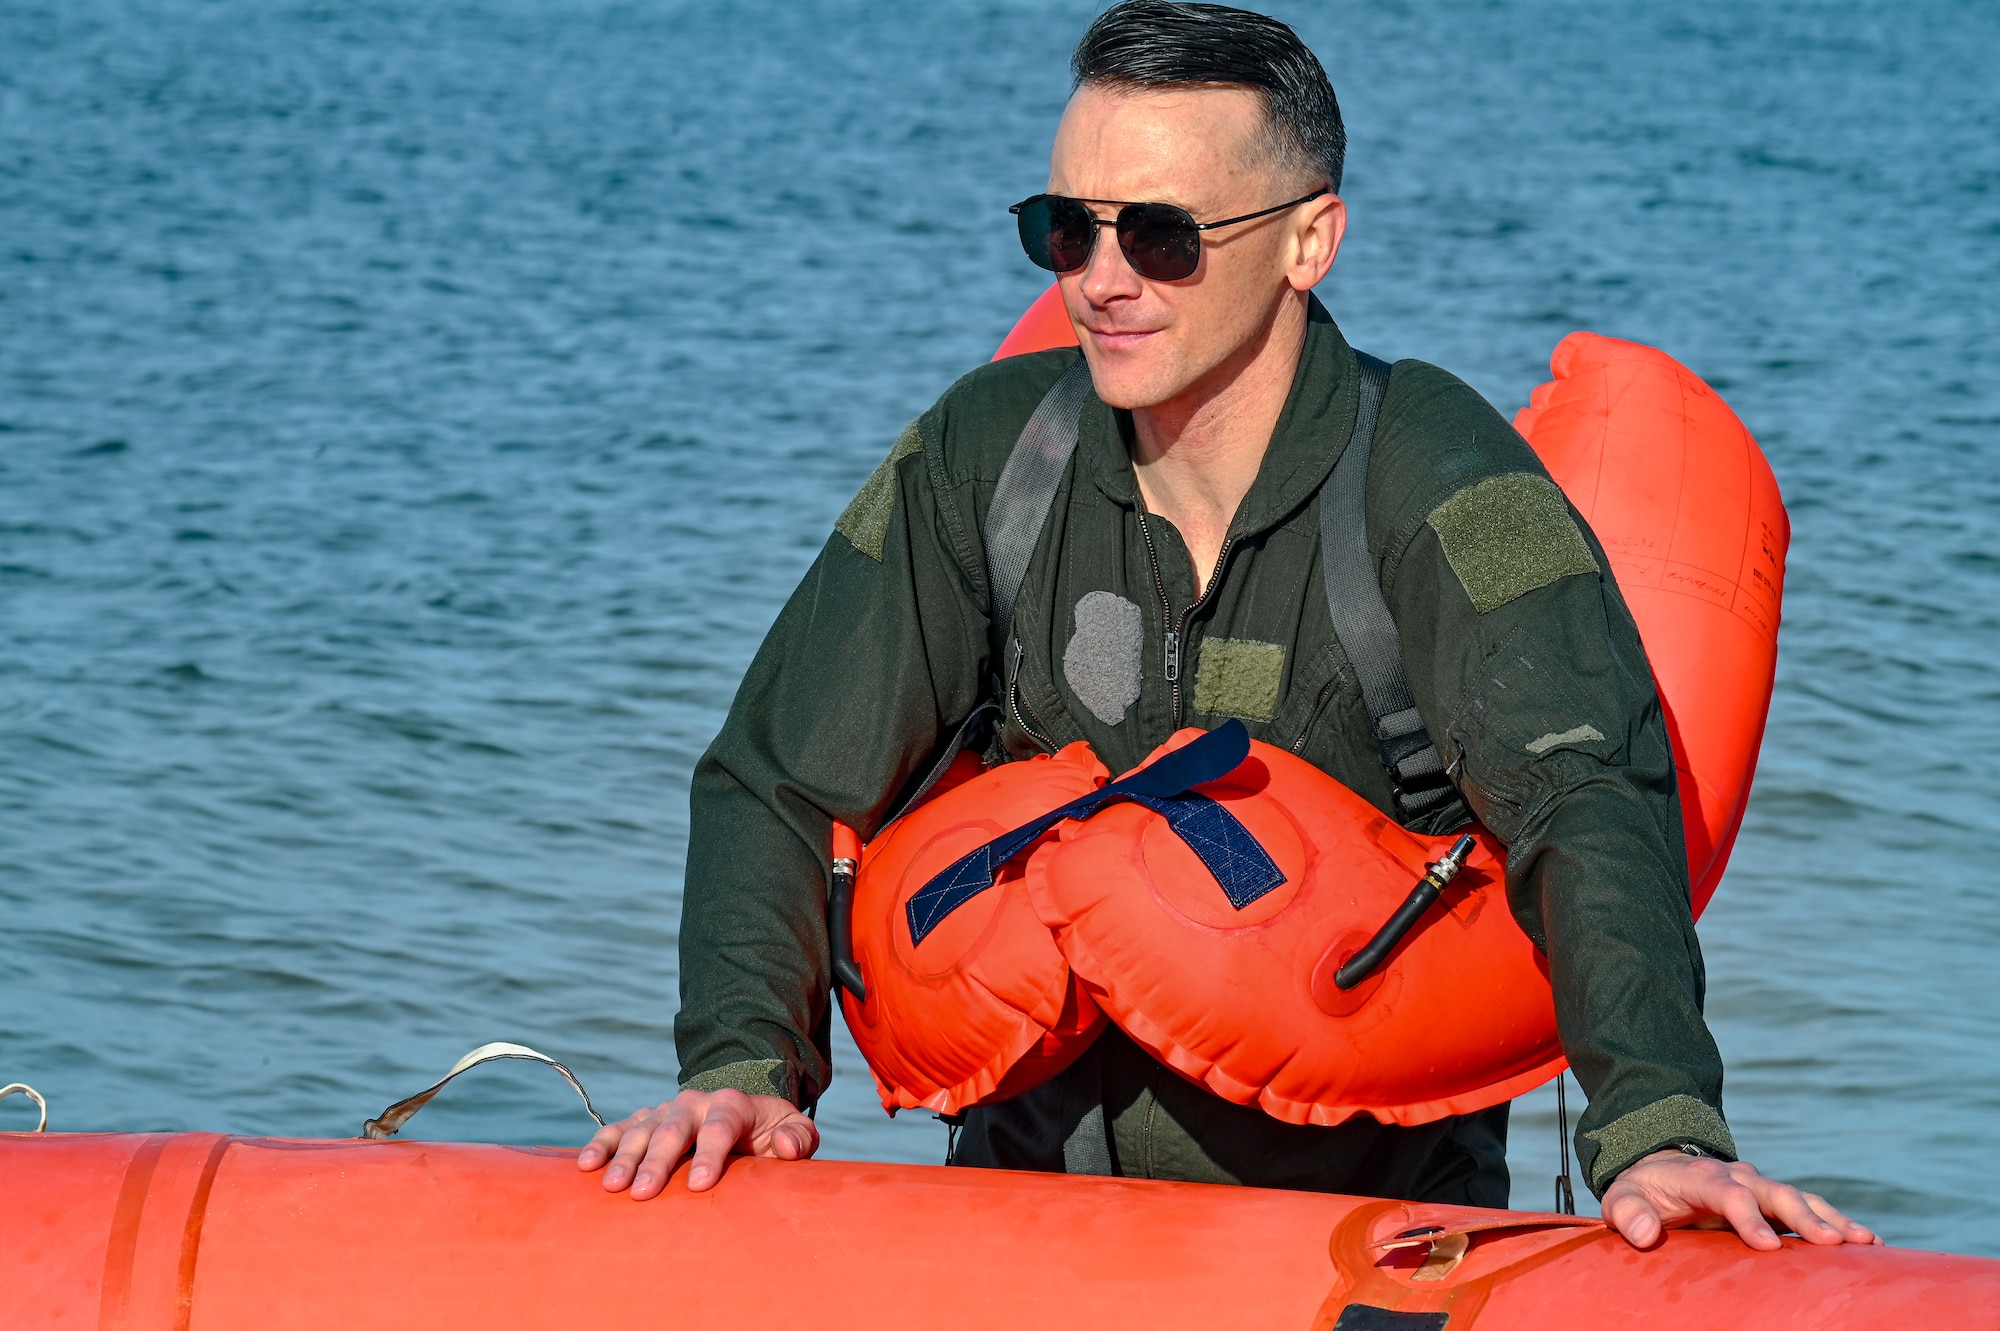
(1521, 655)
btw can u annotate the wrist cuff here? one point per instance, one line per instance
(1664, 1123)
(754, 1076)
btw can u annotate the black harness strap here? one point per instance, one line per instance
(1014, 521)
(1361, 618)
(1022, 496)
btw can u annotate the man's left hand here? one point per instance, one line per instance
(1672, 1190)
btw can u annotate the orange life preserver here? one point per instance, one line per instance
(1241, 999)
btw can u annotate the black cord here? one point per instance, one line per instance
(1565, 1194)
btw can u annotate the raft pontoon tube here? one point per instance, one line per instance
(199, 1232)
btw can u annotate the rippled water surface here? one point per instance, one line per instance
(412, 415)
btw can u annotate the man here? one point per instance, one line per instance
(1177, 581)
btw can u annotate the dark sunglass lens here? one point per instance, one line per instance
(1056, 232)
(1159, 240)
(1032, 216)
(1072, 231)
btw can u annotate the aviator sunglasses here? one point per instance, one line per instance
(1161, 242)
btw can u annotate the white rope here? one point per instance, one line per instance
(392, 1119)
(22, 1088)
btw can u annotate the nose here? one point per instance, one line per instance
(1108, 276)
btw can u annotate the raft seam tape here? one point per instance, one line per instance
(115, 1303)
(191, 1233)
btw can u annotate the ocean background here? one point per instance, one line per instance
(413, 414)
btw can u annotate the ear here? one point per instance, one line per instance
(1316, 237)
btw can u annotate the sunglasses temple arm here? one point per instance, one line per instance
(1251, 217)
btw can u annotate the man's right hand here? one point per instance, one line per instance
(643, 1149)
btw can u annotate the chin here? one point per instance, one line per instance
(1131, 384)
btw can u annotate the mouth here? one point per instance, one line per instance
(1119, 339)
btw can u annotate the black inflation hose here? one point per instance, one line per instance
(1365, 962)
(840, 929)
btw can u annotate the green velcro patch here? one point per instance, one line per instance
(753, 1076)
(865, 520)
(1239, 677)
(1508, 535)
(1678, 1118)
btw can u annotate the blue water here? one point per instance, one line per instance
(412, 415)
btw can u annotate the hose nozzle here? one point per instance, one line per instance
(1365, 962)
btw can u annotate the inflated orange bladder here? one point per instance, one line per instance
(1687, 508)
(1245, 1000)
(1239, 995)
(1014, 1018)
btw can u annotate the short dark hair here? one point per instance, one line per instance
(1163, 44)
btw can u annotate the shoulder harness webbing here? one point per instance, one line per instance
(1015, 517)
(1361, 617)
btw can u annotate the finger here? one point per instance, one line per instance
(1633, 1216)
(669, 1144)
(601, 1144)
(794, 1139)
(1787, 1205)
(661, 1129)
(728, 1121)
(1741, 1207)
(1851, 1231)
(605, 1140)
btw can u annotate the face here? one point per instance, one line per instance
(1151, 342)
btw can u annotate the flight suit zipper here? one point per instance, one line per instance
(1018, 708)
(1312, 719)
(1174, 633)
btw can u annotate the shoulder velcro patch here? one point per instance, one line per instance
(865, 520)
(1508, 535)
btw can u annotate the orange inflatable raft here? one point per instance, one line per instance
(1460, 1017)
(199, 1232)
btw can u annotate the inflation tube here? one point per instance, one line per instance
(840, 911)
(1363, 963)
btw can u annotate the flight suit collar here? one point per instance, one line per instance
(1311, 432)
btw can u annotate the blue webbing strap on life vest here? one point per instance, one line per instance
(1243, 868)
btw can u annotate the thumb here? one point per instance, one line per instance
(1634, 1217)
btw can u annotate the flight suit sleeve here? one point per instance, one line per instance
(875, 657)
(1527, 667)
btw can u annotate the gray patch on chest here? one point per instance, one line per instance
(1102, 662)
